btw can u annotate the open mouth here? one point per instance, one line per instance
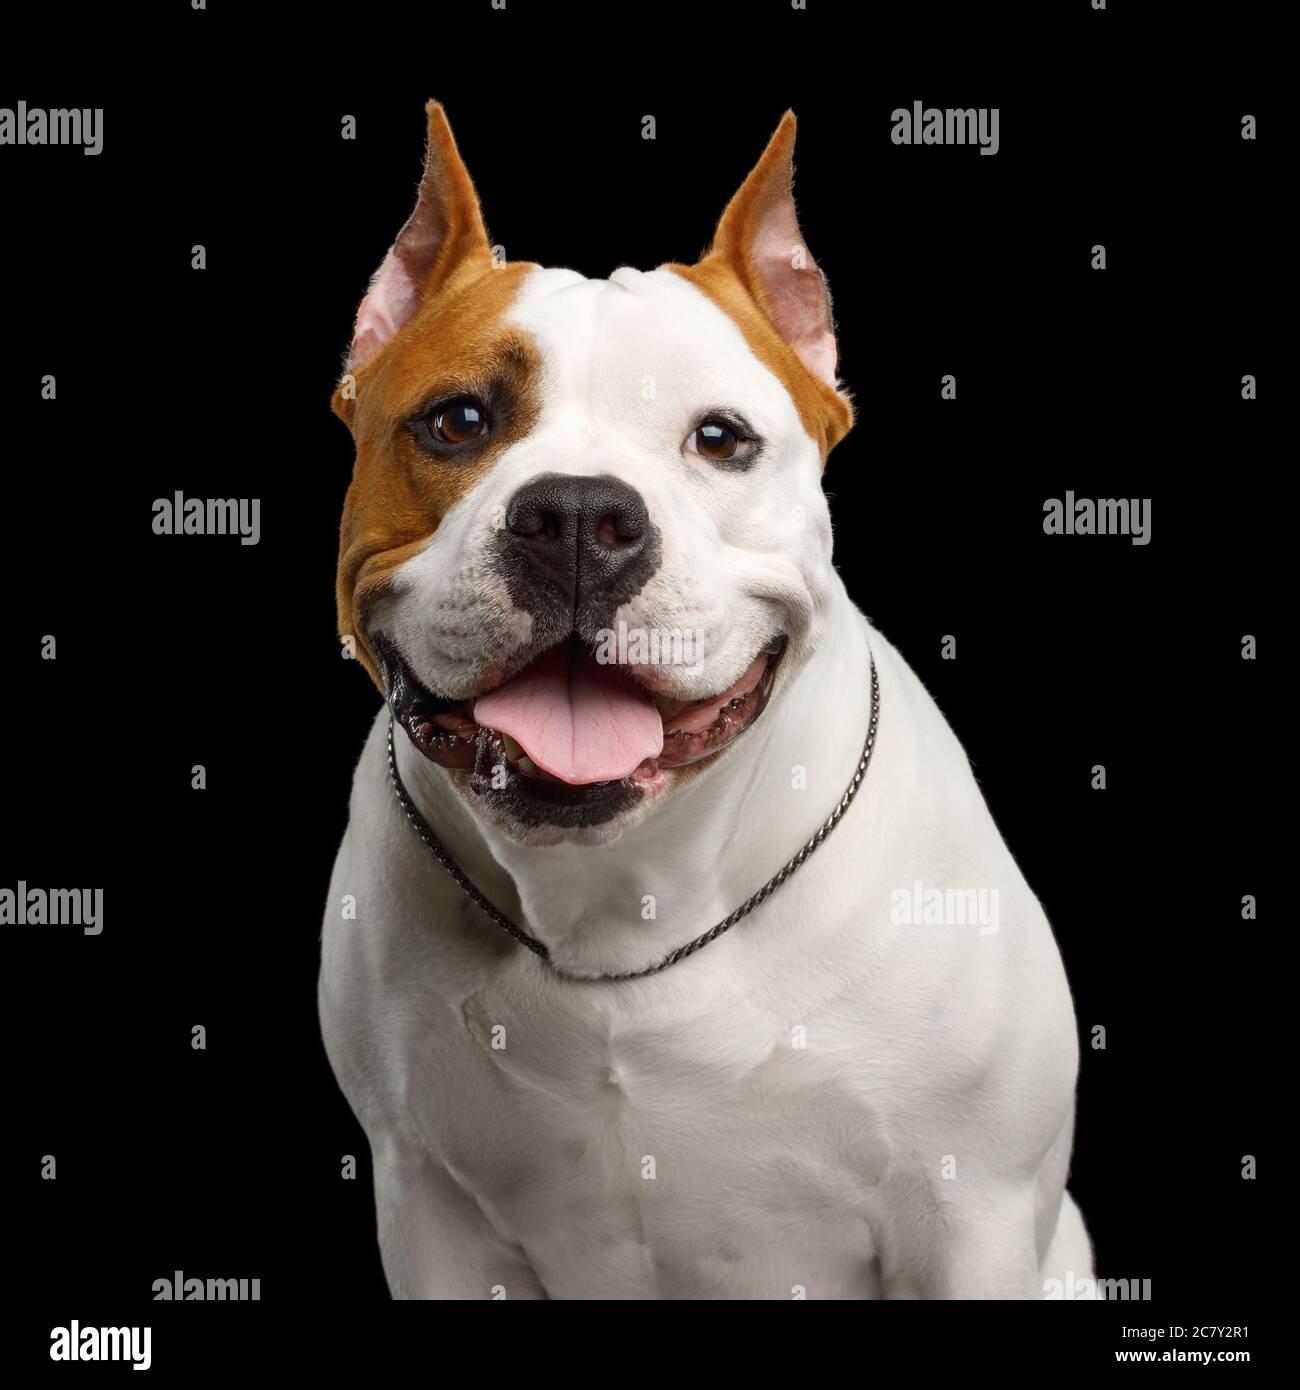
(569, 729)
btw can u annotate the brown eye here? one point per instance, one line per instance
(714, 440)
(459, 421)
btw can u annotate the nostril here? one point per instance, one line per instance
(533, 523)
(615, 530)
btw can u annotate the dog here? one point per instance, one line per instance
(621, 972)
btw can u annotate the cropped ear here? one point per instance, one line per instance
(758, 238)
(445, 230)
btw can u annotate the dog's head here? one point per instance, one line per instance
(585, 541)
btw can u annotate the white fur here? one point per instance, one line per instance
(821, 1102)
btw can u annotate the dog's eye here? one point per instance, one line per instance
(724, 439)
(459, 421)
(714, 440)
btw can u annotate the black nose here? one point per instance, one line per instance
(590, 537)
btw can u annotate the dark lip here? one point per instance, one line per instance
(414, 706)
(482, 755)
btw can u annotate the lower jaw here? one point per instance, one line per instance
(499, 783)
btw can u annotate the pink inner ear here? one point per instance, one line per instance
(388, 304)
(794, 289)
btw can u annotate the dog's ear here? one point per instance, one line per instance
(445, 230)
(758, 240)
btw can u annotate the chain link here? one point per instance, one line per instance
(421, 828)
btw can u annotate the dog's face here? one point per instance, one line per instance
(586, 541)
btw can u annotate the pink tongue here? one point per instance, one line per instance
(575, 718)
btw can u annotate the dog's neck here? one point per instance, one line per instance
(603, 909)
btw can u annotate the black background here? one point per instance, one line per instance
(1071, 651)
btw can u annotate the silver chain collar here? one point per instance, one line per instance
(421, 828)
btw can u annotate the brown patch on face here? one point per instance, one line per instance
(456, 344)
(826, 415)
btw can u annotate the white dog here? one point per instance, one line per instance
(619, 1021)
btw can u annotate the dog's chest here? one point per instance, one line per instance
(665, 1152)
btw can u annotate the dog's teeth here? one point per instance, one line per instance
(526, 765)
(513, 751)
